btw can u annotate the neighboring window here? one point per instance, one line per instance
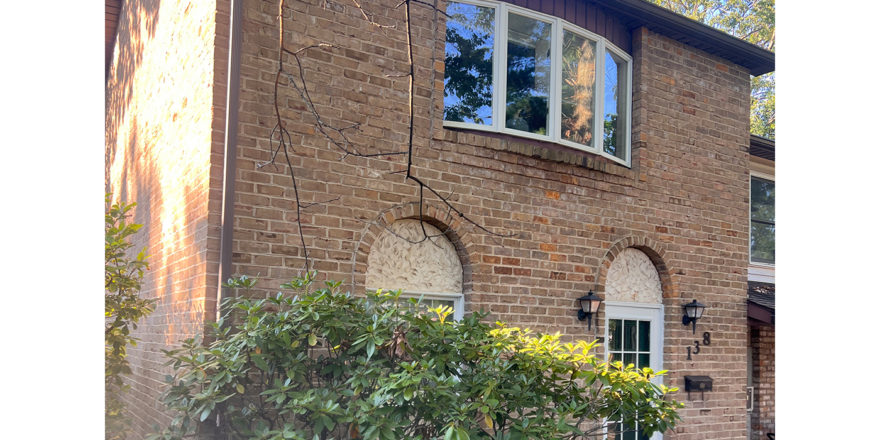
(762, 235)
(515, 71)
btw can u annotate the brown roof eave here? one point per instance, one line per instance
(678, 27)
(762, 147)
(112, 9)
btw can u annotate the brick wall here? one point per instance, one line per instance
(163, 104)
(684, 202)
(763, 346)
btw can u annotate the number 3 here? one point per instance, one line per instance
(697, 344)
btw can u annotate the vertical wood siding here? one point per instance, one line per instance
(585, 15)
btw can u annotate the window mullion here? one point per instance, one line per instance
(599, 95)
(556, 85)
(628, 112)
(499, 98)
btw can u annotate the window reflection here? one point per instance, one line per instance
(763, 227)
(470, 39)
(578, 85)
(615, 94)
(528, 74)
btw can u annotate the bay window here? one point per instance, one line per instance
(518, 72)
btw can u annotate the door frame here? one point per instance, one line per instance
(642, 312)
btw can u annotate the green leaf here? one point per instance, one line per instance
(239, 388)
(313, 340)
(450, 432)
(261, 363)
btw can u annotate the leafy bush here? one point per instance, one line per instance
(326, 364)
(123, 307)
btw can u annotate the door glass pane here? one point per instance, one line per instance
(615, 356)
(644, 336)
(615, 94)
(470, 40)
(629, 358)
(578, 88)
(763, 242)
(528, 74)
(644, 360)
(629, 433)
(629, 335)
(614, 329)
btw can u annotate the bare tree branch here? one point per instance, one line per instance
(338, 136)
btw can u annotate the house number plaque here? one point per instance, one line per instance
(707, 340)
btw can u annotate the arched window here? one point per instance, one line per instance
(634, 318)
(430, 269)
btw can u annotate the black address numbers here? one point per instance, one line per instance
(707, 340)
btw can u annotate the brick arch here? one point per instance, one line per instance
(432, 214)
(669, 281)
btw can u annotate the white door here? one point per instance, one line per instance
(634, 335)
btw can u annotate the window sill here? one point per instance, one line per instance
(545, 150)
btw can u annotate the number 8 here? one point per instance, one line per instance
(707, 338)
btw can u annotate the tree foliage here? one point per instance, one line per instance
(123, 307)
(329, 365)
(753, 21)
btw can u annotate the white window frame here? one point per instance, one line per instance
(641, 312)
(554, 116)
(456, 298)
(771, 178)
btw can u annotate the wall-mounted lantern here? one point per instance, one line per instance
(589, 305)
(692, 312)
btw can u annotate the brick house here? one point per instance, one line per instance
(651, 213)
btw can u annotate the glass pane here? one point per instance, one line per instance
(644, 360)
(644, 336)
(614, 357)
(763, 242)
(616, 92)
(642, 436)
(614, 328)
(470, 40)
(528, 74)
(578, 86)
(427, 304)
(629, 358)
(763, 200)
(629, 335)
(629, 433)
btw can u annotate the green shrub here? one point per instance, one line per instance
(326, 364)
(123, 307)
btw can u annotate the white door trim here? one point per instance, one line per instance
(643, 312)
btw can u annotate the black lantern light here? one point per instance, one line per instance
(589, 305)
(692, 312)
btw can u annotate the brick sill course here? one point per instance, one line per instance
(548, 151)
